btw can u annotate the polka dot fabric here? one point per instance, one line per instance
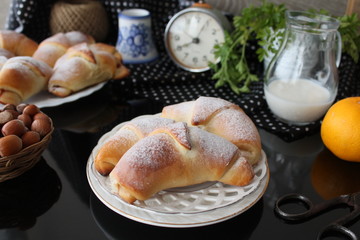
(162, 80)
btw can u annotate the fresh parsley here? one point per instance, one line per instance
(261, 24)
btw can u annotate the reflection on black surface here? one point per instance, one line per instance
(71, 151)
(79, 126)
(289, 163)
(332, 177)
(28, 196)
(116, 226)
(88, 114)
(100, 111)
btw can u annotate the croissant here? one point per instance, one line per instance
(52, 48)
(21, 78)
(3, 60)
(17, 43)
(222, 118)
(6, 53)
(176, 156)
(84, 65)
(129, 134)
(4, 56)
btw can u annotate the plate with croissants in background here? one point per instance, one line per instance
(60, 69)
(196, 163)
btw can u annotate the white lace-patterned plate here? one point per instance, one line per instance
(196, 205)
(46, 99)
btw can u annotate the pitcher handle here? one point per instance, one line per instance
(338, 49)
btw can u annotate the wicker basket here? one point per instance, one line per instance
(15, 165)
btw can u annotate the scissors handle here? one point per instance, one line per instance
(336, 230)
(312, 210)
(297, 199)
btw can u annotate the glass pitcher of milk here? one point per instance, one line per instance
(301, 81)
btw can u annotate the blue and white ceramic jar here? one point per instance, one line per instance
(135, 41)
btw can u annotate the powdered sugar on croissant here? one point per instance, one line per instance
(52, 48)
(129, 134)
(222, 118)
(21, 78)
(17, 43)
(85, 65)
(175, 156)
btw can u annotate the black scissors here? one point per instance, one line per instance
(352, 201)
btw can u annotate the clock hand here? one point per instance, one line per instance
(187, 34)
(194, 40)
(187, 44)
(202, 28)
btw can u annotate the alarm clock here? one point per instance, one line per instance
(191, 34)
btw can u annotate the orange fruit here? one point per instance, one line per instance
(340, 129)
(332, 177)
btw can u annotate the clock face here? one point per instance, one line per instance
(191, 38)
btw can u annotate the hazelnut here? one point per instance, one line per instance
(40, 115)
(13, 112)
(29, 138)
(9, 107)
(10, 145)
(5, 117)
(42, 125)
(31, 109)
(14, 127)
(26, 119)
(20, 107)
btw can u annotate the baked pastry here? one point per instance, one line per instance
(4, 56)
(17, 43)
(6, 53)
(129, 134)
(3, 60)
(84, 65)
(21, 78)
(52, 48)
(222, 118)
(176, 156)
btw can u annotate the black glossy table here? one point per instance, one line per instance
(54, 200)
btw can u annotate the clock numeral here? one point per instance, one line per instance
(204, 58)
(176, 37)
(179, 48)
(186, 54)
(195, 60)
(214, 31)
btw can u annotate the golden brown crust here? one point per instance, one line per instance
(116, 146)
(17, 43)
(114, 149)
(160, 161)
(138, 176)
(52, 48)
(21, 78)
(82, 66)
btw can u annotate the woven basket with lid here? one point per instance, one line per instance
(88, 17)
